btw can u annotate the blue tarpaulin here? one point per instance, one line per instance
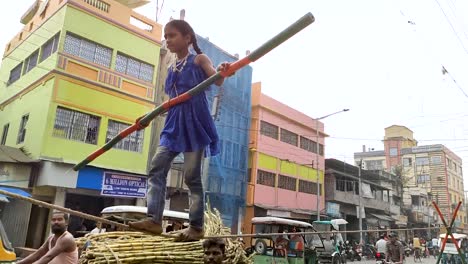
(4, 198)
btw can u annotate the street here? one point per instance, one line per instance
(409, 260)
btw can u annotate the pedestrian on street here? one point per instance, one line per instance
(381, 245)
(395, 251)
(189, 129)
(59, 248)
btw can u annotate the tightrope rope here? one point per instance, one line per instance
(126, 227)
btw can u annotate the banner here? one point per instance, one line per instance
(124, 185)
(333, 209)
(366, 191)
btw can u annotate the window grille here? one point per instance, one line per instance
(74, 125)
(134, 141)
(87, 50)
(286, 182)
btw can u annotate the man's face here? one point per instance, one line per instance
(213, 255)
(58, 223)
(393, 239)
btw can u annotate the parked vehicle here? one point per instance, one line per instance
(128, 213)
(283, 249)
(351, 252)
(332, 252)
(450, 254)
(369, 251)
(7, 253)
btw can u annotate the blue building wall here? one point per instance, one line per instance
(227, 174)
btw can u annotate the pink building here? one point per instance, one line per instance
(282, 161)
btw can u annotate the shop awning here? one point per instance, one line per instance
(14, 155)
(4, 198)
(383, 217)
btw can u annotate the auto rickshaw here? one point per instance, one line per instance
(450, 255)
(7, 253)
(333, 250)
(283, 249)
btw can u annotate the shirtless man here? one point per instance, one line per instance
(59, 248)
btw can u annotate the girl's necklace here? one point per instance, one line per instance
(179, 65)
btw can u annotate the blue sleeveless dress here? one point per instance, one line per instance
(189, 126)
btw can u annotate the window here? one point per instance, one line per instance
(50, 47)
(421, 161)
(133, 67)
(314, 188)
(436, 160)
(393, 152)
(288, 137)
(5, 134)
(424, 178)
(340, 185)
(308, 145)
(266, 178)
(87, 50)
(307, 187)
(31, 62)
(134, 141)
(321, 150)
(74, 125)
(268, 130)
(407, 162)
(15, 74)
(288, 183)
(22, 129)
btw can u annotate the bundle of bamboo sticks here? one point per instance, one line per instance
(136, 247)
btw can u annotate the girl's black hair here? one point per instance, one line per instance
(185, 29)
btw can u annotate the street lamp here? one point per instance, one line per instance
(318, 154)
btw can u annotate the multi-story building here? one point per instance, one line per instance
(378, 198)
(283, 179)
(429, 173)
(79, 72)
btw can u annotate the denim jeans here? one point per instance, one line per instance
(160, 166)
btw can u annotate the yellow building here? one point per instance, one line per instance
(430, 173)
(77, 74)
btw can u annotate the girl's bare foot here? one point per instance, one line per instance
(190, 234)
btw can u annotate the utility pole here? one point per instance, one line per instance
(360, 204)
(318, 155)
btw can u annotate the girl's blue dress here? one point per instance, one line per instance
(189, 126)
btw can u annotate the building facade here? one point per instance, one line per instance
(77, 74)
(429, 173)
(378, 198)
(283, 149)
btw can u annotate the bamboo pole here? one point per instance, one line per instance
(145, 120)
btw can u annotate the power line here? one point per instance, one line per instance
(451, 26)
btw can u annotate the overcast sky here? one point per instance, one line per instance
(361, 54)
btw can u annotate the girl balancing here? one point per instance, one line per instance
(189, 129)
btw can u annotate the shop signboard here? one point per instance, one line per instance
(124, 185)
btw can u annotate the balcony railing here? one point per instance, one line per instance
(101, 5)
(352, 198)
